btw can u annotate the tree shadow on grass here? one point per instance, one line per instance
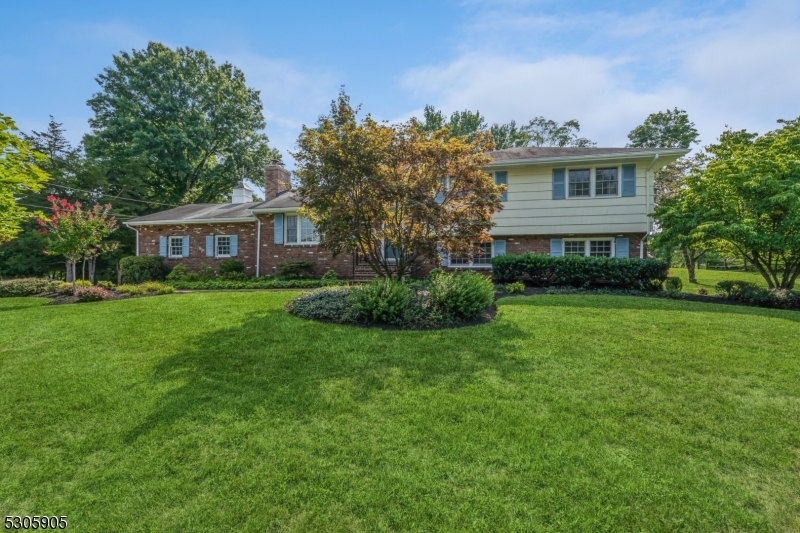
(645, 303)
(280, 363)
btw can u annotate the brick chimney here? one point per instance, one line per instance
(276, 180)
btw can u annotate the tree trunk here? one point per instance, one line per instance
(92, 265)
(70, 272)
(83, 270)
(689, 260)
(74, 267)
(119, 272)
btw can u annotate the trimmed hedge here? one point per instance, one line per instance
(744, 291)
(641, 274)
(144, 268)
(25, 287)
(270, 283)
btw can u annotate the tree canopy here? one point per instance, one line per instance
(665, 129)
(19, 173)
(189, 129)
(394, 194)
(748, 197)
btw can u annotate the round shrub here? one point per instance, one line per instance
(143, 268)
(329, 276)
(130, 289)
(702, 291)
(382, 300)
(178, 273)
(156, 287)
(296, 268)
(327, 303)
(673, 283)
(24, 287)
(91, 294)
(517, 286)
(462, 295)
(106, 284)
(231, 266)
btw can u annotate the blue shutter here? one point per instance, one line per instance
(234, 245)
(279, 228)
(559, 184)
(556, 247)
(623, 247)
(185, 246)
(162, 246)
(209, 246)
(501, 178)
(628, 180)
(499, 248)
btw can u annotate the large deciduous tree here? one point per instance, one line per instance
(665, 129)
(19, 173)
(190, 126)
(748, 197)
(394, 194)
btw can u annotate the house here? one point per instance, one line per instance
(559, 201)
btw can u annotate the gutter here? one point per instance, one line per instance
(596, 157)
(258, 248)
(189, 221)
(137, 237)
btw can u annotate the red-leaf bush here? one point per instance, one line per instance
(92, 294)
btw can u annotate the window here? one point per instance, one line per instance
(580, 182)
(175, 246)
(300, 230)
(606, 182)
(589, 247)
(223, 245)
(599, 248)
(482, 255)
(574, 248)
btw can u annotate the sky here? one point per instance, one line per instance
(607, 64)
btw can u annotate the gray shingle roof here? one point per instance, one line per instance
(200, 212)
(510, 154)
(286, 200)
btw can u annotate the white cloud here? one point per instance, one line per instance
(734, 69)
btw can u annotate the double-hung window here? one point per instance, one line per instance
(580, 182)
(606, 182)
(175, 246)
(223, 245)
(481, 256)
(300, 230)
(589, 247)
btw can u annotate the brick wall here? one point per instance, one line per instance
(540, 244)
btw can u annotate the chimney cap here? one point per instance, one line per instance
(276, 162)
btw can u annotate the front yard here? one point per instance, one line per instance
(220, 412)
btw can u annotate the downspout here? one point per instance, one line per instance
(137, 239)
(258, 247)
(646, 206)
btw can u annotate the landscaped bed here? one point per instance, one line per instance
(219, 411)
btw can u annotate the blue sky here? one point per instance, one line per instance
(607, 64)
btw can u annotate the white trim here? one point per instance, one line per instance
(554, 161)
(191, 221)
(216, 246)
(169, 247)
(587, 245)
(299, 232)
(592, 181)
(258, 248)
(137, 242)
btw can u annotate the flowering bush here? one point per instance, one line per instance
(91, 294)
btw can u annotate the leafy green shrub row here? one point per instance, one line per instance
(296, 269)
(261, 283)
(143, 268)
(149, 287)
(441, 300)
(643, 274)
(744, 291)
(25, 287)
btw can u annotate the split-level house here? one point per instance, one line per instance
(559, 201)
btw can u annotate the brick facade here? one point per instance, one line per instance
(272, 254)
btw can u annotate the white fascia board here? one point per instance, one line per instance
(566, 160)
(275, 210)
(190, 221)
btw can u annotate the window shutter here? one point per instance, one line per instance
(234, 245)
(209, 246)
(162, 246)
(556, 247)
(185, 246)
(279, 228)
(559, 184)
(501, 178)
(499, 248)
(628, 180)
(623, 247)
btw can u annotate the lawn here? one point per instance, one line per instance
(710, 278)
(219, 412)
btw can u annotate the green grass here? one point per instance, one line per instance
(219, 412)
(710, 278)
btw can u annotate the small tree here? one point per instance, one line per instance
(77, 234)
(394, 194)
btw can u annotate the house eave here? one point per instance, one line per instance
(589, 157)
(190, 221)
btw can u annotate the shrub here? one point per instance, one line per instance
(462, 295)
(178, 273)
(328, 303)
(156, 287)
(330, 275)
(235, 276)
(702, 291)
(296, 269)
(207, 272)
(130, 289)
(105, 284)
(231, 266)
(733, 289)
(64, 288)
(744, 291)
(642, 274)
(673, 283)
(382, 300)
(143, 268)
(517, 286)
(91, 294)
(24, 287)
